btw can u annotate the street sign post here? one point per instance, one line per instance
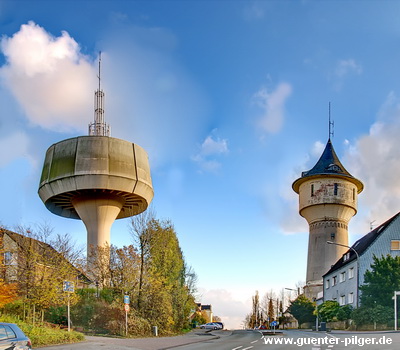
(126, 307)
(69, 287)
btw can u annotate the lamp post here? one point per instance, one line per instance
(358, 264)
(396, 293)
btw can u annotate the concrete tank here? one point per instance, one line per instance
(96, 179)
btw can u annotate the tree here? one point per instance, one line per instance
(302, 309)
(381, 281)
(378, 314)
(330, 310)
(8, 292)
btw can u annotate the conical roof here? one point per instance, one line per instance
(329, 165)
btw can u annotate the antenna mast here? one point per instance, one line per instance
(331, 124)
(99, 126)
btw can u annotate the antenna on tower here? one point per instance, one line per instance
(99, 126)
(331, 124)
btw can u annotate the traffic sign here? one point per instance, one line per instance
(126, 299)
(68, 286)
(126, 307)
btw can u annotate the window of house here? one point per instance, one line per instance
(9, 259)
(350, 298)
(395, 244)
(335, 189)
(326, 284)
(342, 300)
(342, 277)
(351, 272)
(334, 280)
(312, 190)
(346, 256)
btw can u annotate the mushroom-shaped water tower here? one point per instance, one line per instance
(96, 179)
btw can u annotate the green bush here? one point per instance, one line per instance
(42, 335)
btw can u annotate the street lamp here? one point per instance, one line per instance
(395, 309)
(358, 264)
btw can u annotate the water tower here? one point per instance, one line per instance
(96, 178)
(327, 200)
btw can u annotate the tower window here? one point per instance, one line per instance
(354, 194)
(333, 236)
(312, 190)
(335, 189)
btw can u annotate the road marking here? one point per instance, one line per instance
(237, 347)
(255, 341)
(248, 348)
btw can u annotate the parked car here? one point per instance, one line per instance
(221, 324)
(11, 337)
(210, 325)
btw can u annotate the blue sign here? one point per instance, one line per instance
(68, 286)
(274, 324)
(126, 299)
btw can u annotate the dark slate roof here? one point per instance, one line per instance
(328, 164)
(362, 244)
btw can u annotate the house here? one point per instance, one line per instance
(342, 281)
(206, 311)
(22, 255)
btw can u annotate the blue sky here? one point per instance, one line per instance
(230, 100)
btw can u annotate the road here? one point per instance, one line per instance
(248, 340)
(297, 339)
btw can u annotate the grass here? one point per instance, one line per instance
(41, 335)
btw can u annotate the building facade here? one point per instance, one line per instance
(342, 281)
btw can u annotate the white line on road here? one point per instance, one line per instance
(254, 341)
(237, 347)
(248, 348)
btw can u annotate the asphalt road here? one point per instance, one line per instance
(248, 340)
(305, 340)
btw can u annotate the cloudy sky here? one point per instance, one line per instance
(230, 100)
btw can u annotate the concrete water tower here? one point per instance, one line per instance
(96, 179)
(327, 200)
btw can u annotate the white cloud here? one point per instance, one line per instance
(230, 309)
(375, 160)
(49, 77)
(343, 70)
(209, 149)
(346, 67)
(273, 107)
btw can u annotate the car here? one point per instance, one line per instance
(210, 325)
(221, 324)
(12, 337)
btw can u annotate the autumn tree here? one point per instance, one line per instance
(42, 268)
(255, 317)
